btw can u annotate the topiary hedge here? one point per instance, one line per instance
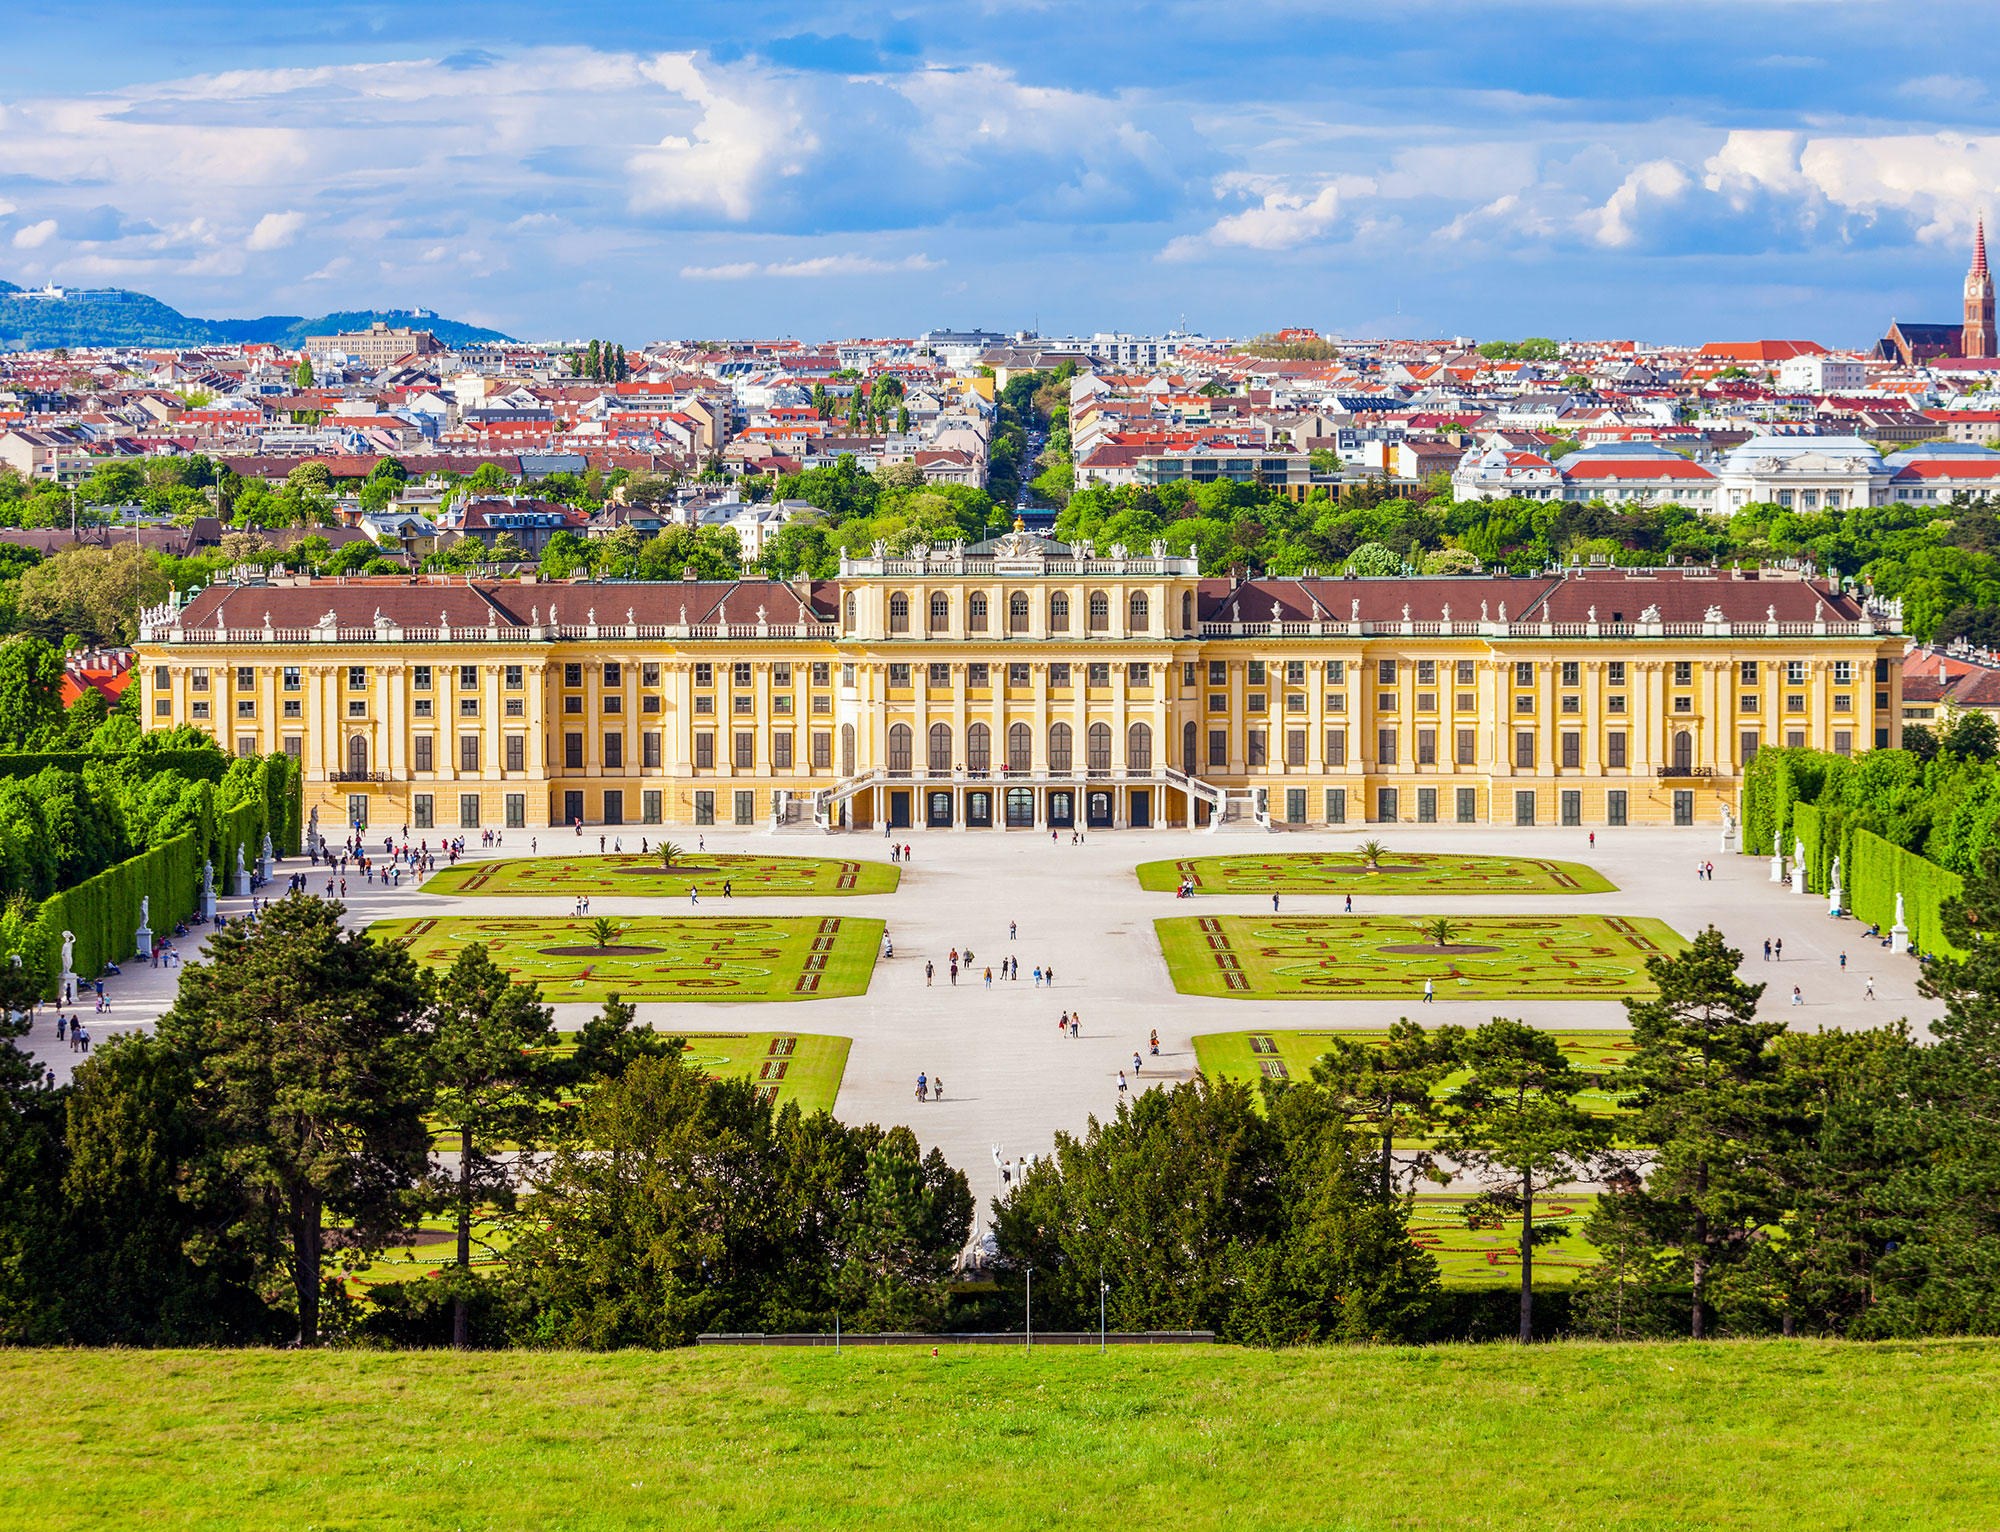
(1877, 870)
(103, 912)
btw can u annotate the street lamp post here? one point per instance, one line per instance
(1102, 1288)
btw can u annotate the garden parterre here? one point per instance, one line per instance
(629, 873)
(1349, 872)
(1336, 957)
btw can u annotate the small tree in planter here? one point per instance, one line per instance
(1441, 932)
(1372, 852)
(669, 854)
(604, 931)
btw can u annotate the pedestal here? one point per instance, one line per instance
(208, 905)
(142, 942)
(243, 884)
(1799, 879)
(1833, 900)
(1728, 843)
(1777, 868)
(67, 987)
(263, 868)
(1899, 937)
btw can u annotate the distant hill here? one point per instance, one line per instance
(112, 316)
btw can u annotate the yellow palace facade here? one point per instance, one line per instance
(1024, 684)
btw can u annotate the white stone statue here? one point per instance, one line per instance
(312, 827)
(267, 847)
(145, 912)
(208, 867)
(1591, 614)
(1651, 614)
(239, 862)
(1354, 610)
(1503, 611)
(69, 952)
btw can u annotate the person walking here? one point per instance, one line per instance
(1049, 975)
(1843, 962)
(928, 972)
(937, 1087)
(1778, 949)
(1349, 910)
(1062, 1023)
(954, 973)
(1869, 992)
(1593, 840)
(1123, 1086)
(1075, 1023)
(922, 1085)
(1274, 904)
(728, 889)
(1038, 976)
(989, 977)
(1138, 1065)
(1156, 1042)
(1767, 949)
(694, 894)
(1430, 996)
(1010, 930)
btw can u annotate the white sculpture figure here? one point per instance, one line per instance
(69, 949)
(1833, 892)
(1651, 614)
(208, 868)
(1503, 611)
(1447, 611)
(1406, 611)
(1354, 610)
(1777, 862)
(1798, 867)
(1899, 933)
(1482, 613)
(1591, 614)
(145, 912)
(267, 847)
(239, 861)
(312, 828)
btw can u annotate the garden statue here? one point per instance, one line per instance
(69, 952)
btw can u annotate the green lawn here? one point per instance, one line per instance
(1768, 1436)
(661, 957)
(571, 877)
(1491, 1257)
(1345, 872)
(1276, 1055)
(1336, 957)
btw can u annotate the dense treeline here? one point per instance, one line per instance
(1761, 1181)
(216, 1182)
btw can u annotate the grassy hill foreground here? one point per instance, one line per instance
(1765, 1435)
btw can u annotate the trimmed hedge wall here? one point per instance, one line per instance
(1881, 869)
(103, 911)
(198, 765)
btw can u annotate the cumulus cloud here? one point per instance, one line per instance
(274, 231)
(35, 235)
(1281, 218)
(814, 266)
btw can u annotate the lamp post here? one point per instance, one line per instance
(1103, 1287)
(1031, 1309)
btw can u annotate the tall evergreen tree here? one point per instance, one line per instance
(304, 1046)
(593, 365)
(1515, 1125)
(1705, 1090)
(493, 1081)
(1391, 1088)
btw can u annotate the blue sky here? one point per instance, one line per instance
(1661, 169)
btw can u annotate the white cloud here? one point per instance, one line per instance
(750, 133)
(1656, 181)
(815, 266)
(6, 207)
(274, 231)
(1947, 90)
(1281, 219)
(35, 235)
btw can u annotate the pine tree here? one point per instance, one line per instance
(1515, 1125)
(493, 1081)
(593, 366)
(1390, 1088)
(1707, 1099)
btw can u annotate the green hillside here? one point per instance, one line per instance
(116, 317)
(1726, 1437)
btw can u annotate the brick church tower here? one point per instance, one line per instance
(1977, 338)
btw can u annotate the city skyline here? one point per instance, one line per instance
(835, 170)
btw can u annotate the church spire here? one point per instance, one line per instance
(1979, 247)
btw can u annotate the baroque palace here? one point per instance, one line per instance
(1021, 684)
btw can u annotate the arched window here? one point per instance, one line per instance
(940, 757)
(899, 748)
(357, 756)
(1017, 612)
(1058, 613)
(847, 749)
(1100, 747)
(1139, 748)
(940, 612)
(1100, 612)
(1059, 748)
(1189, 734)
(899, 613)
(1187, 611)
(850, 608)
(975, 611)
(1141, 611)
(1020, 749)
(979, 748)
(1683, 750)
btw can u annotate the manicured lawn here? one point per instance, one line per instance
(1344, 872)
(1277, 1055)
(1339, 957)
(1767, 1436)
(1491, 1257)
(568, 878)
(659, 957)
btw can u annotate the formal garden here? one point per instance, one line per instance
(1371, 871)
(668, 870)
(657, 957)
(1473, 957)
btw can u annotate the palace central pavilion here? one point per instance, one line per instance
(1021, 683)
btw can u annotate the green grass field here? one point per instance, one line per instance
(1342, 957)
(1343, 872)
(1274, 1055)
(749, 877)
(1769, 1436)
(659, 957)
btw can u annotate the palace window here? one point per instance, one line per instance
(1100, 612)
(1139, 612)
(1058, 613)
(899, 613)
(975, 612)
(940, 612)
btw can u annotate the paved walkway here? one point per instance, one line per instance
(1012, 1081)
